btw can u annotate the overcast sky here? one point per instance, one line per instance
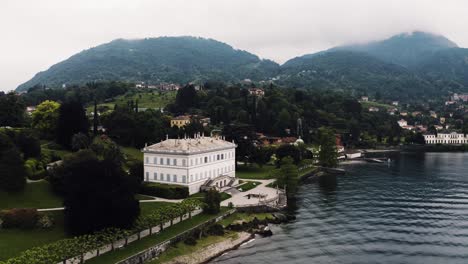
(39, 33)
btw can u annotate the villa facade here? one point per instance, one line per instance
(446, 138)
(197, 163)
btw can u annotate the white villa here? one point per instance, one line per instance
(446, 138)
(198, 163)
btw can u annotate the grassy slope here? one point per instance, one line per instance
(35, 195)
(132, 153)
(147, 242)
(146, 99)
(14, 241)
(254, 172)
(376, 104)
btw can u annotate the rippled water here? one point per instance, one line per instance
(414, 210)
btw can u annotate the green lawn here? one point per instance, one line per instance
(15, 241)
(132, 153)
(35, 195)
(201, 196)
(137, 246)
(254, 172)
(248, 186)
(146, 99)
(376, 104)
(246, 217)
(181, 248)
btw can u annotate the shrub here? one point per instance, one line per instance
(19, 218)
(45, 221)
(212, 202)
(215, 230)
(34, 169)
(164, 190)
(191, 241)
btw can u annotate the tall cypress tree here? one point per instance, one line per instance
(72, 120)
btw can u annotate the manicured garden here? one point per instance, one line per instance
(14, 241)
(254, 171)
(248, 185)
(35, 195)
(201, 196)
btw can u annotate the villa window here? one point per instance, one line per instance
(217, 157)
(168, 160)
(222, 156)
(206, 159)
(175, 162)
(191, 162)
(161, 161)
(161, 176)
(147, 160)
(147, 176)
(184, 162)
(155, 176)
(174, 178)
(168, 177)
(191, 178)
(184, 178)
(155, 160)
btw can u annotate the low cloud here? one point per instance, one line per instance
(38, 34)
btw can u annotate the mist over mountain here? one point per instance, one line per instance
(406, 49)
(413, 64)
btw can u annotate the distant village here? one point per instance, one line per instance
(439, 124)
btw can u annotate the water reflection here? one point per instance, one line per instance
(413, 211)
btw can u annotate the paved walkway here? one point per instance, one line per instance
(241, 199)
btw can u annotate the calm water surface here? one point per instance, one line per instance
(414, 210)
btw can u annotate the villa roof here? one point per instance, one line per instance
(198, 144)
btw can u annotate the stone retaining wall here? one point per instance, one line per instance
(156, 250)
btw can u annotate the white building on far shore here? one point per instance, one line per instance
(192, 162)
(446, 138)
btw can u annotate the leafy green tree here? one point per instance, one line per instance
(328, 155)
(98, 195)
(212, 202)
(72, 120)
(287, 177)
(79, 141)
(186, 98)
(12, 110)
(288, 150)
(45, 117)
(12, 171)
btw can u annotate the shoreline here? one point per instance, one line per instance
(212, 251)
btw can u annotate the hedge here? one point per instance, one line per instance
(164, 190)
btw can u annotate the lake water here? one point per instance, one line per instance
(414, 210)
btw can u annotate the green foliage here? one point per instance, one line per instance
(72, 120)
(45, 117)
(129, 128)
(96, 188)
(287, 176)
(328, 155)
(164, 190)
(212, 202)
(79, 141)
(167, 59)
(12, 110)
(12, 171)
